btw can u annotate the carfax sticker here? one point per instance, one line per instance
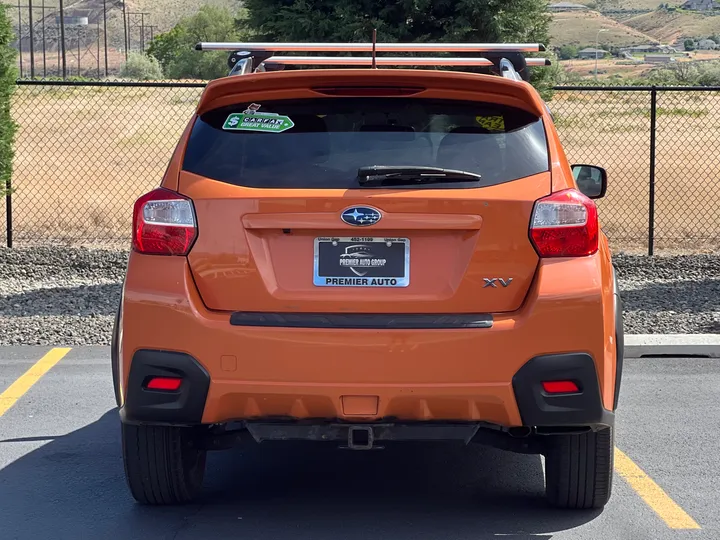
(492, 123)
(251, 119)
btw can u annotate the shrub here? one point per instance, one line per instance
(7, 87)
(567, 52)
(176, 52)
(141, 67)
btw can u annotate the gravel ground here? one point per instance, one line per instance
(65, 296)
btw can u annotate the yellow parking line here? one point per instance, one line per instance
(653, 495)
(18, 389)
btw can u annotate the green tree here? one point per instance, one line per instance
(175, 50)
(689, 45)
(567, 52)
(8, 75)
(400, 21)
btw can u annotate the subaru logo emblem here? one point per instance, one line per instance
(361, 216)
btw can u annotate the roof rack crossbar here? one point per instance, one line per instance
(504, 59)
(380, 61)
(368, 47)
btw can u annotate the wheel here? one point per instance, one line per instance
(161, 465)
(579, 469)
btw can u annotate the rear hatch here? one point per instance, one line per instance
(291, 220)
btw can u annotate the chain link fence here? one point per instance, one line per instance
(86, 151)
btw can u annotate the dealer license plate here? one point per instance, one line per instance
(362, 262)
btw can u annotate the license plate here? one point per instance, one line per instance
(362, 262)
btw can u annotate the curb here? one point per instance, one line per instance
(649, 345)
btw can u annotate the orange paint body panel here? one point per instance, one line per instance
(428, 375)
(254, 254)
(254, 266)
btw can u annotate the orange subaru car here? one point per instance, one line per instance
(361, 255)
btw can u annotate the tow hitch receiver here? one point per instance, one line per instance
(360, 438)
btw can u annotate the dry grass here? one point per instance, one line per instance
(85, 154)
(612, 130)
(668, 26)
(633, 4)
(581, 28)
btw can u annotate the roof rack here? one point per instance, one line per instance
(507, 59)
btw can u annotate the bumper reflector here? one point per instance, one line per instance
(560, 387)
(169, 384)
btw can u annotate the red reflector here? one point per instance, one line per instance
(164, 383)
(368, 91)
(560, 387)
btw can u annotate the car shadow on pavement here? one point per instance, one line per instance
(73, 487)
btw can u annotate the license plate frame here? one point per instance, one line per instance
(372, 278)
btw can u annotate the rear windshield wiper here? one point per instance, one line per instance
(376, 175)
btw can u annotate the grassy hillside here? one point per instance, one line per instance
(581, 29)
(670, 25)
(629, 4)
(161, 13)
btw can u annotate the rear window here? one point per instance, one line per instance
(321, 143)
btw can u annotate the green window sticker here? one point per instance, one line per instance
(258, 121)
(492, 123)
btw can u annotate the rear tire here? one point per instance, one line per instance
(162, 466)
(579, 469)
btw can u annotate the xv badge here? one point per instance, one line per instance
(492, 282)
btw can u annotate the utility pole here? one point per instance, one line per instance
(142, 26)
(20, 37)
(58, 48)
(32, 41)
(125, 26)
(142, 32)
(105, 35)
(62, 40)
(98, 50)
(43, 41)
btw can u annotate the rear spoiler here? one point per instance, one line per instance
(506, 59)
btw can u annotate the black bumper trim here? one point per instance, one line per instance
(619, 339)
(183, 407)
(376, 321)
(537, 408)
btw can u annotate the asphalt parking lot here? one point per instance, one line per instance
(61, 473)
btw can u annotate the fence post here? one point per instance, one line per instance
(8, 211)
(651, 213)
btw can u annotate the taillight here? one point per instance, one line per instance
(163, 223)
(565, 224)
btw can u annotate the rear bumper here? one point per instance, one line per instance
(362, 375)
(536, 408)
